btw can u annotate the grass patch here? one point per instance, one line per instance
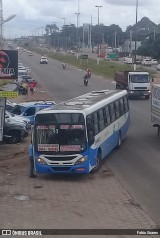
(105, 69)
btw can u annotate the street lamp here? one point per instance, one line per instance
(64, 32)
(77, 13)
(98, 53)
(1, 28)
(135, 53)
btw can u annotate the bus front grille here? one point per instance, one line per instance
(60, 158)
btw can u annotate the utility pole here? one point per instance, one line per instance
(90, 40)
(115, 41)
(77, 13)
(1, 24)
(54, 35)
(42, 30)
(64, 32)
(130, 48)
(135, 56)
(38, 31)
(98, 53)
(154, 37)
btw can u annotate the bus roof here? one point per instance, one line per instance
(139, 72)
(87, 103)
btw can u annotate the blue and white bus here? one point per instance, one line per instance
(76, 135)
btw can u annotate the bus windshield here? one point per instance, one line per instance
(65, 134)
(140, 78)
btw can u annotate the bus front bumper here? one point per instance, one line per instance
(74, 169)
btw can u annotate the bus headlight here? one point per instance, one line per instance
(40, 161)
(81, 160)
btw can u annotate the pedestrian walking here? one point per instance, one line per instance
(32, 86)
(31, 171)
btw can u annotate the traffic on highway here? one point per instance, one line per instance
(80, 121)
(136, 164)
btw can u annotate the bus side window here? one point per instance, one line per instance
(108, 115)
(95, 119)
(116, 108)
(121, 108)
(112, 112)
(100, 120)
(125, 103)
(90, 130)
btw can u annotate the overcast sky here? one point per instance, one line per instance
(33, 14)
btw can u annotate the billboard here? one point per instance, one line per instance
(8, 64)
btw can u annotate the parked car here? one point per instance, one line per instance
(10, 105)
(29, 109)
(14, 129)
(43, 60)
(128, 60)
(21, 67)
(146, 62)
(22, 72)
(154, 62)
(158, 67)
(18, 118)
(30, 53)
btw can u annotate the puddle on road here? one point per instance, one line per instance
(22, 198)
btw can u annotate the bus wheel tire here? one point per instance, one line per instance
(147, 97)
(98, 165)
(15, 137)
(119, 141)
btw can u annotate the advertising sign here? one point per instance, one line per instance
(8, 94)
(83, 56)
(8, 64)
(2, 114)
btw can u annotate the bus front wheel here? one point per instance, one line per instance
(98, 164)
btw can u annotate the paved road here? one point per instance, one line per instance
(137, 164)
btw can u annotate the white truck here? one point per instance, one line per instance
(128, 60)
(136, 83)
(155, 106)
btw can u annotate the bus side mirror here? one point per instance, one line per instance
(152, 79)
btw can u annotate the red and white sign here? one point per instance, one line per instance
(48, 147)
(65, 127)
(77, 127)
(46, 127)
(70, 148)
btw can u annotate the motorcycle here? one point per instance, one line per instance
(22, 90)
(85, 80)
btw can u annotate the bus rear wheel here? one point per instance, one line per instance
(98, 164)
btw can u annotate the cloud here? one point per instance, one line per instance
(32, 14)
(130, 2)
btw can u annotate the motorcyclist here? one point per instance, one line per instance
(64, 65)
(89, 72)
